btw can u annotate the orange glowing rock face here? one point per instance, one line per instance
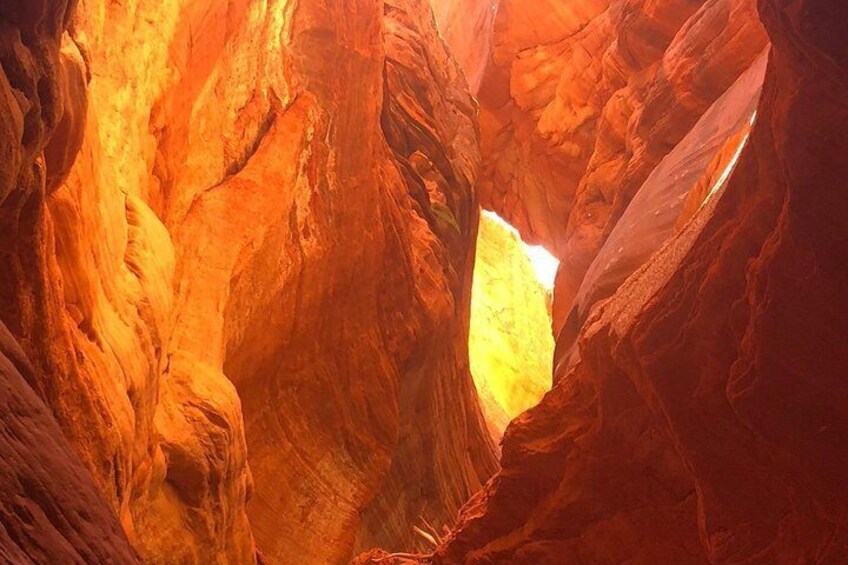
(236, 315)
(510, 342)
(581, 100)
(243, 276)
(706, 419)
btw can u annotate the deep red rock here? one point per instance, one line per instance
(706, 420)
(236, 251)
(50, 509)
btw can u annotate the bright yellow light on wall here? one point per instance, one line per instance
(510, 344)
(544, 264)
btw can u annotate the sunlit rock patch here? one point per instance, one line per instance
(511, 344)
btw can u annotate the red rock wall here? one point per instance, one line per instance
(706, 420)
(683, 181)
(50, 508)
(582, 100)
(444, 452)
(243, 275)
(467, 27)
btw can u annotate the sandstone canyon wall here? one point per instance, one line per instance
(705, 422)
(580, 101)
(236, 249)
(685, 179)
(50, 508)
(467, 27)
(243, 275)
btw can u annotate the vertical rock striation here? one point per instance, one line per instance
(582, 100)
(239, 235)
(706, 419)
(50, 508)
(444, 452)
(347, 304)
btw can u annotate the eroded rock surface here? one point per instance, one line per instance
(695, 170)
(443, 452)
(582, 100)
(706, 420)
(236, 247)
(467, 27)
(50, 508)
(253, 251)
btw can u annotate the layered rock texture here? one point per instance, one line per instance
(705, 422)
(695, 170)
(242, 277)
(50, 511)
(510, 345)
(50, 507)
(580, 101)
(443, 451)
(237, 240)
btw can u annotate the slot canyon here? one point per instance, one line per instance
(406, 282)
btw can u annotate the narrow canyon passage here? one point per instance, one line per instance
(423, 281)
(510, 342)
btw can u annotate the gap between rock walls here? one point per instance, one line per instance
(423, 281)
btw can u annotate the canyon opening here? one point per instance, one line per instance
(412, 282)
